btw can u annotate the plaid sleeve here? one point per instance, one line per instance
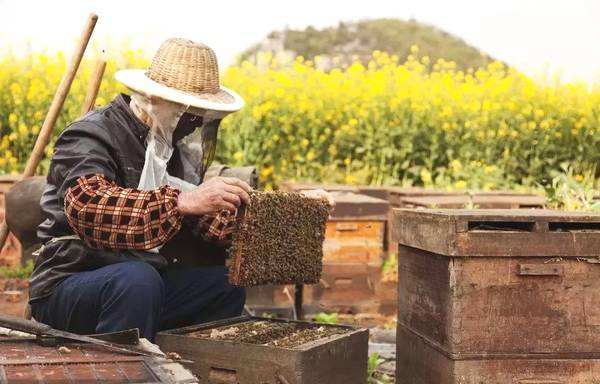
(105, 215)
(215, 228)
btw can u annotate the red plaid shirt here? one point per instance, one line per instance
(105, 215)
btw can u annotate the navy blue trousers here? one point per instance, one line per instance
(135, 295)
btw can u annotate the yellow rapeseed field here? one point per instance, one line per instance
(416, 122)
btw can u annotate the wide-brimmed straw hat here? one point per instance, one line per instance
(183, 72)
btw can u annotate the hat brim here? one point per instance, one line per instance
(224, 100)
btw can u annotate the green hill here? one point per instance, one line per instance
(359, 39)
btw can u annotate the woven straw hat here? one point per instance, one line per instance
(184, 72)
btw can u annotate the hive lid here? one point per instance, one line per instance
(483, 200)
(499, 232)
(292, 186)
(355, 206)
(24, 361)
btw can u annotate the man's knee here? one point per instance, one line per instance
(238, 299)
(136, 278)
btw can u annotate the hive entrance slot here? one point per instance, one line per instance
(222, 376)
(505, 226)
(574, 226)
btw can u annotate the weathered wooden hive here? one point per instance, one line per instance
(354, 249)
(498, 296)
(251, 350)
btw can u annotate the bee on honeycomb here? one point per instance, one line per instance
(278, 239)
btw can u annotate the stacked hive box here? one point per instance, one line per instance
(498, 296)
(353, 254)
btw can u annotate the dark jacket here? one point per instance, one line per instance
(109, 141)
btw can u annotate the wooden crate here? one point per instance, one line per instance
(423, 363)
(498, 296)
(348, 288)
(338, 359)
(356, 230)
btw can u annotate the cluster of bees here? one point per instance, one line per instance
(279, 240)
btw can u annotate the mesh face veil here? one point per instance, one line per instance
(194, 135)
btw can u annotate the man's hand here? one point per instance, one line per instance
(213, 196)
(319, 194)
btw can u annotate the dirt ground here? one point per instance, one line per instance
(13, 296)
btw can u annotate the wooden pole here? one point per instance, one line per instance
(54, 111)
(93, 87)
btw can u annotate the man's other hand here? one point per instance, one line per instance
(213, 196)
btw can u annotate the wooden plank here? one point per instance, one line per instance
(353, 206)
(486, 201)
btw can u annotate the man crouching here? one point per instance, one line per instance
(125, 185)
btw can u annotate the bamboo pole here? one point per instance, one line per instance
(54, 111)
(93, 87)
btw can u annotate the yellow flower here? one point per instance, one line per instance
(238, 156)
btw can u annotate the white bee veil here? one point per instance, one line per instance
(196, 150)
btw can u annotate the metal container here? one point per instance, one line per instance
(498, 296)
(337, 359)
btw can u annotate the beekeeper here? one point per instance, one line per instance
(126, 198)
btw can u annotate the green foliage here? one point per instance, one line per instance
(326, 318)
(359, 39)
(19, 272)
(389, 269)
(373, 377)
(573, 189)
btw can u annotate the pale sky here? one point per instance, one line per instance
(535, 36)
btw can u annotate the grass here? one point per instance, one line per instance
(374, 377)
(326, 318)
(19, 272)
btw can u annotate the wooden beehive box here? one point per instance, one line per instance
(355, 232)
(336, 359)
(498, 296)
(353, 252)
